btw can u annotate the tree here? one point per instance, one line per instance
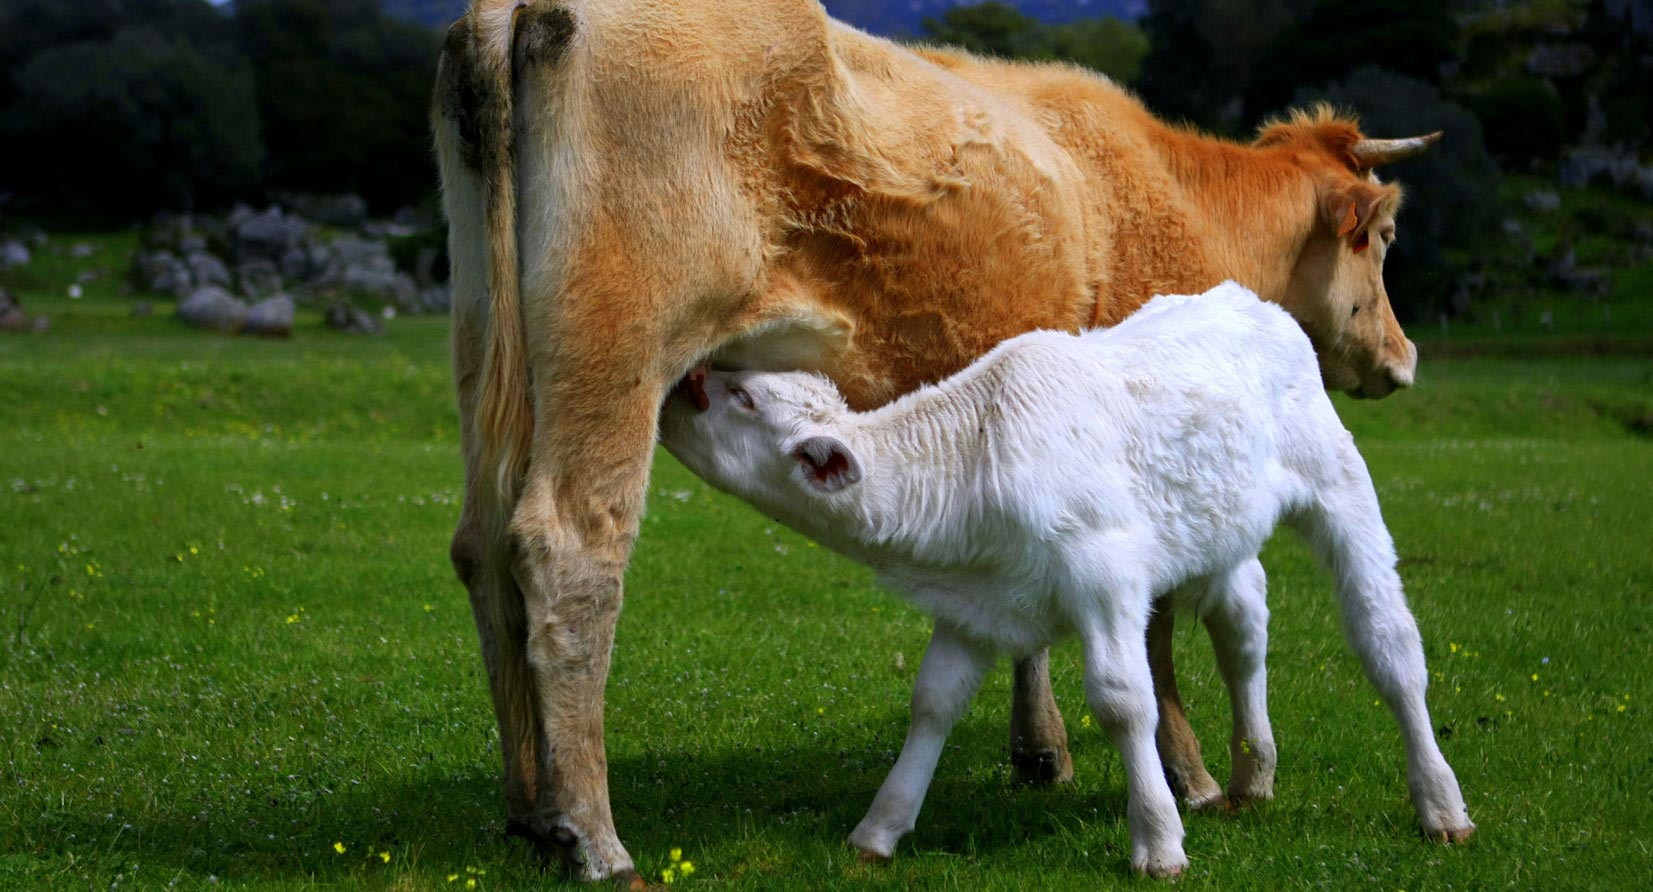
(138, 120)
(1113, 47)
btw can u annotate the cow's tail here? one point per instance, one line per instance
(509, 35)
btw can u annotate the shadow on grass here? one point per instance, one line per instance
(797, 798)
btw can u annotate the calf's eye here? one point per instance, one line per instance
(741, 397)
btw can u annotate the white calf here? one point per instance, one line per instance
(1055, 487)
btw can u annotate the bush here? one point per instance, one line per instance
(138, 121)
(1523, 120)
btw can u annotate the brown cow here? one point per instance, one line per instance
(635, 187)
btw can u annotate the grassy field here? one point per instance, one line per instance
(234, 655)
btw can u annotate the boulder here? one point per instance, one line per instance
(343, 317)
(205, 269)
(13, 253)
(270, 234)
(214, 308)
(272, 317)
(258, 277)
(348, 210)
(295, 264)
(12, 317)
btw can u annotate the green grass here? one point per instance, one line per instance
(231, 639)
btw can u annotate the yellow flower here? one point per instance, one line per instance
(686, 867)
(385, 857)
(1535, 676)
(470, 884)
(338, 847)
(668, 876)
(452, 877)
(1621, 707)
(677, 854)
(1453, 646)
(1085, 720)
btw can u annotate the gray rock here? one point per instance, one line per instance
(343, 317)
(295, 264)
(205, 269)
(192, 243)
(272, 317)
(348, 210)
(1542, 201)
(270, 234)
(435, 299)
(258, 277)
(81, 250)
(12, 317)
(163, 272)
(213, 307)
(13, 253)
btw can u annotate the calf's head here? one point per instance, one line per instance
(1336, 289)
(776, 439)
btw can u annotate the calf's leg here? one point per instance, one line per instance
(1120, 689)
(1346, 528)
(952, 669)
(1038, 740)
(1237, 621)
(1179, 749)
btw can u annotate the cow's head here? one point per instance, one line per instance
(1336, 288)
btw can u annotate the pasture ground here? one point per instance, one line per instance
(232, 653)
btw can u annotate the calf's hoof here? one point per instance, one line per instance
(1042, 767)
(1162, 866)
(1447, 836)
(875, 843)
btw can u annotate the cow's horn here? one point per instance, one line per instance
(1378, 152)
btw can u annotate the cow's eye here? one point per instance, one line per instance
(741, 397)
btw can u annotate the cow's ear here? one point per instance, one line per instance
(1348, 210)
(827, 463)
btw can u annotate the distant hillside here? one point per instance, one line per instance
(893, 18)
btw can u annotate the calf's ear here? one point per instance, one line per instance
(827, 463)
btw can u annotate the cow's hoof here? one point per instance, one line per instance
(1207, 802)
(1043, 767)
(535, 834)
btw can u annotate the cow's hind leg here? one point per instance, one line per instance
(1237, 619)
(1179, 749)
(1346, 527)
(1038, 740)
(573, 529)
(481, 557)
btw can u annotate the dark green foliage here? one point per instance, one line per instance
(1417, 38)
(123, 107)
(1523, 120)
(344, 95)
(123, 124)
(1449, 223)
(1203, 53)
(1111, 46)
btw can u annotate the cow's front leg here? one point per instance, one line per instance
(573, 528)
(952, 669)
(1038, 739)
(1238, 624)
(1179, 749)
